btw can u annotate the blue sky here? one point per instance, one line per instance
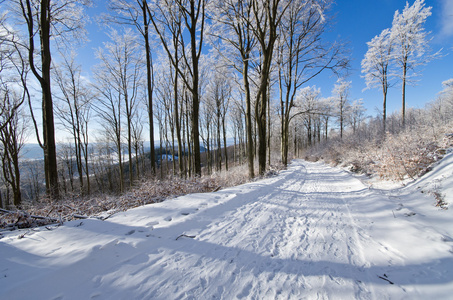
(358, 21)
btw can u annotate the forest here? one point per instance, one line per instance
(221, 90)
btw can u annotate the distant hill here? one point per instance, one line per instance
(34, 151)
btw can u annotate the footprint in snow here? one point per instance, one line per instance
(168, 219)
(446, 239)
(78, 225)
(131, 232)
(410, 214)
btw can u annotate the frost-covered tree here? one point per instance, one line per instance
(411, 43)
(218, 91)
(233, 19)
(442, 108)
(356, 114)
(268, 15)
(326, 106)
(307, 105)
(303, 55)
(12, 138)
(341, 94)
(376, 66)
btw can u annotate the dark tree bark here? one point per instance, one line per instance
(149, 84)
(50, 154)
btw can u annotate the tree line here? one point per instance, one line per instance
(202, 71)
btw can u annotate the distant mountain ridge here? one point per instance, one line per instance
(34, 151)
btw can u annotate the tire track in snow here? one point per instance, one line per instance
(292, 238)
(305, 232)
(332, 226)
(296, 238)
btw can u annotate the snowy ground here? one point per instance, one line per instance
(312, 232)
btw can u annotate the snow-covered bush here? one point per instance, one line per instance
(405, 155)
(400, 154)
(102, 206)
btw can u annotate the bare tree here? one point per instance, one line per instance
(268, 15)
(137, 138)
(73, 108)
(137, 15)
(12, 139)
(193, 16)
(119, 76)
(207, 119)
(237, 117)
(13, 93)
(302, 55)
(172, 16)
(46, 19)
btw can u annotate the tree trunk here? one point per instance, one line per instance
(189, 141)
(269, 127)
(195, 107)
(208, 149)
(219, 145)
(177, 123)
(248, 119)
(120, 164)
(87, 172)
(261, 111)
(225, 142)
(149, 82)
(262, 135)
(50, 154)
(384, 107)
(285, 141)
(404, 94)
(129, 141)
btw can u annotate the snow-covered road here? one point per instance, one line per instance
(312, 232)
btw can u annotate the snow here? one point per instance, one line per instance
(168, 157)
(312, 232)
